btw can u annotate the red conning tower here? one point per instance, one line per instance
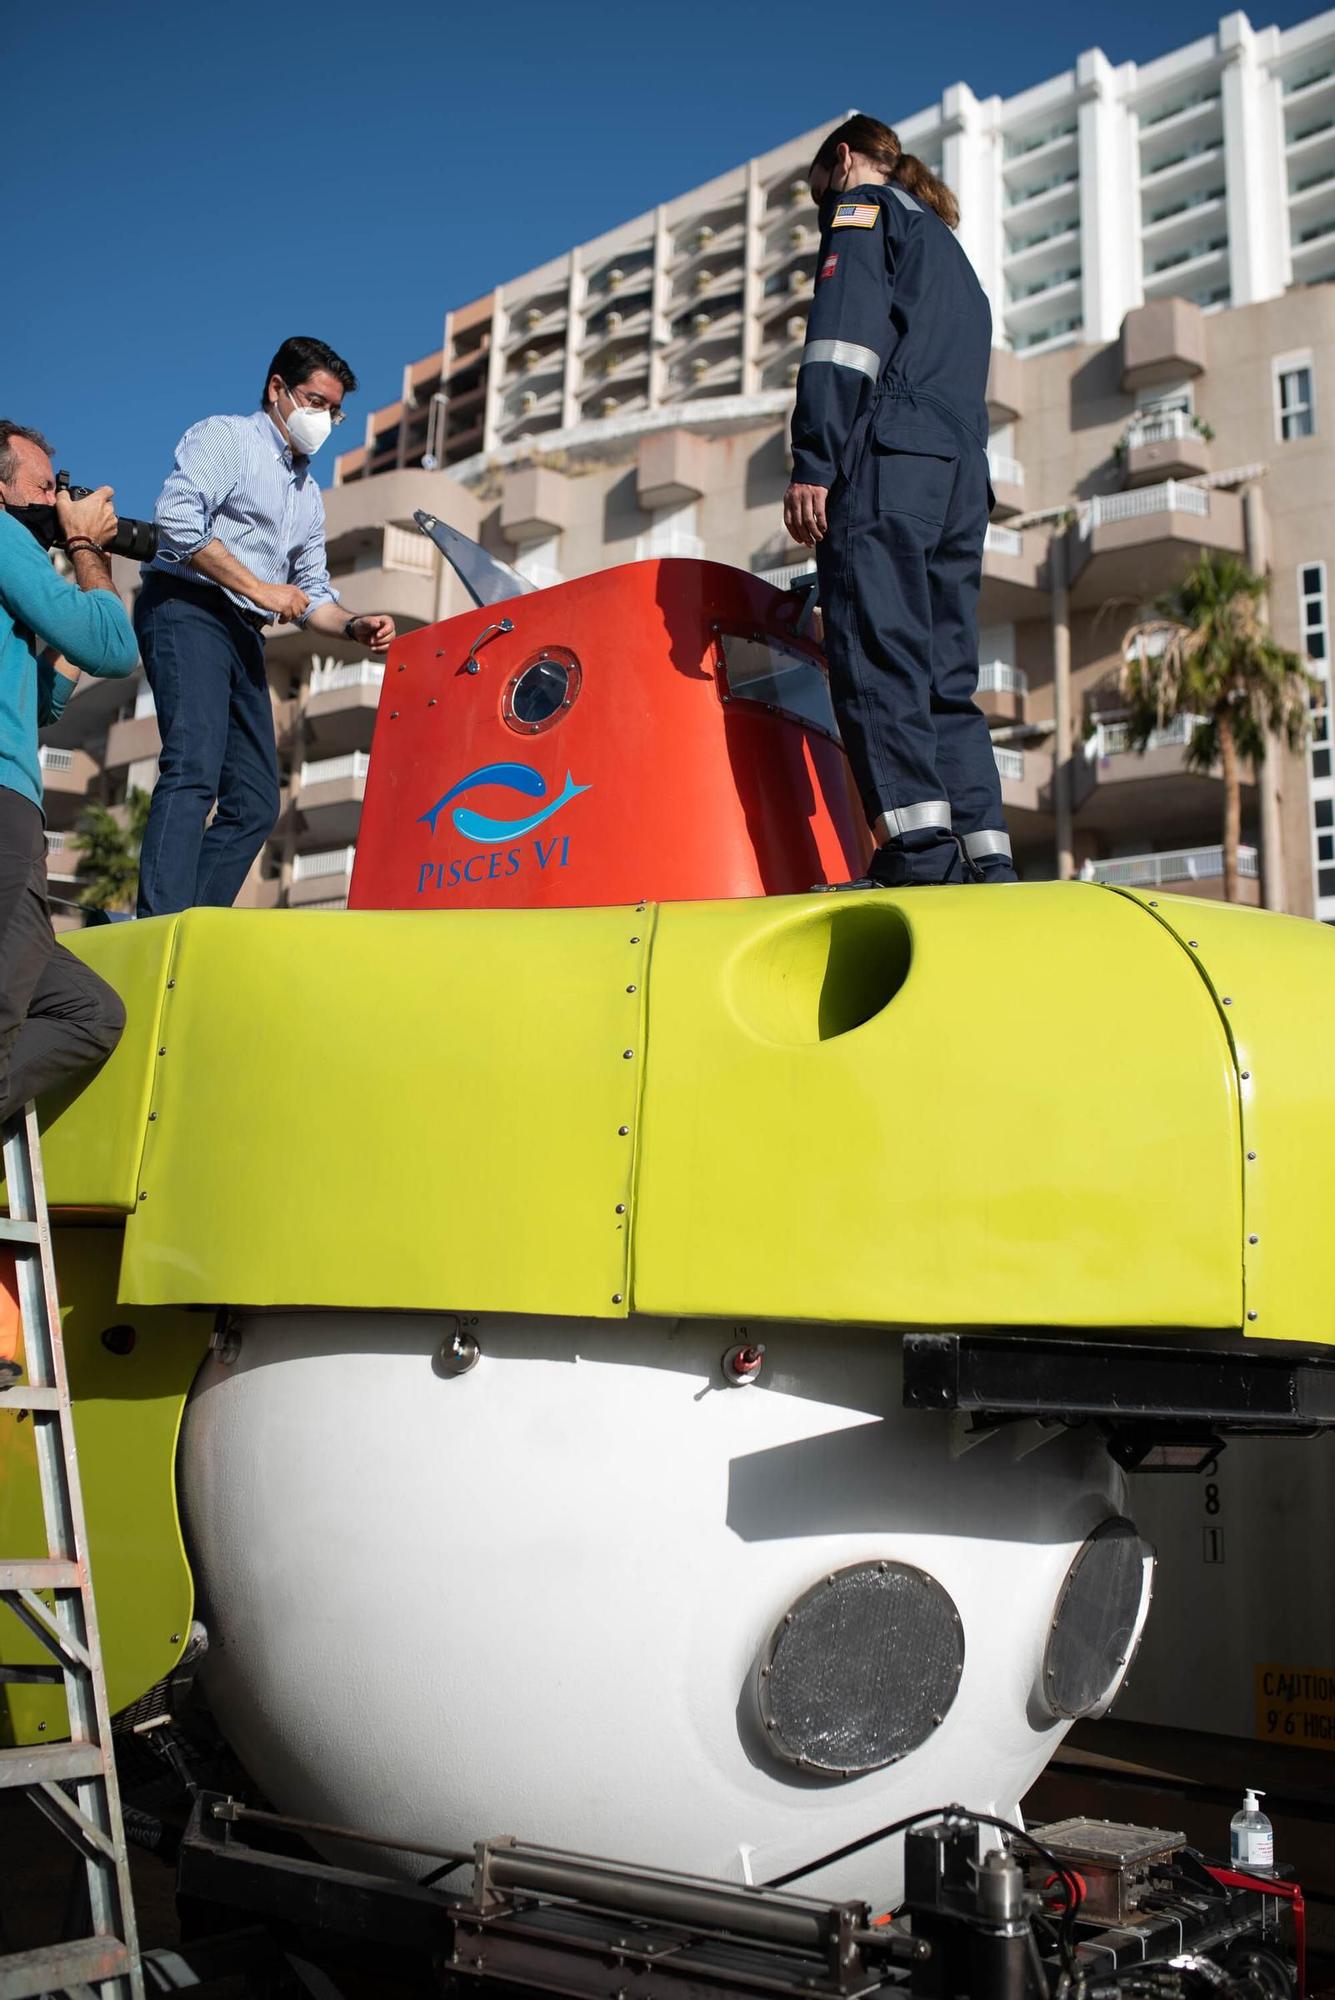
(659, 731)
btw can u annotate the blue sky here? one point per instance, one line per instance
(182, 186)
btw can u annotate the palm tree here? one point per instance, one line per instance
(108, 841)
(1205, 650)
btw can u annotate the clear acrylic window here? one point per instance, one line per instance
(760, 669)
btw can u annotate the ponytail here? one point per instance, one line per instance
(919, 180)
(877, 142)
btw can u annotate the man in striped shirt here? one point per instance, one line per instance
(240, 546)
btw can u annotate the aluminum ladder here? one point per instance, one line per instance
(89, 1812)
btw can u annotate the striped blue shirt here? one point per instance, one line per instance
(236, 482)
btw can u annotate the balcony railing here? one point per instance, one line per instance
(144, 703)
(331, 676)
(1161, 428)
(329, 861)
(1172, 497)
(1183, 864)
(1003, 541)
(1005, 471)
(62, 856)
(659, 542)
(995, 677)
(51, 759)
(405, 549)
(788, 574)
(328, 770)
(1113, 739)
(1010, 763)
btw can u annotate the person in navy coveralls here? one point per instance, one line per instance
(890, 488)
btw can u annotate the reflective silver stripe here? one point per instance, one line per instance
(844, 354)
(976, 845)
(908, 819)
(902, 195)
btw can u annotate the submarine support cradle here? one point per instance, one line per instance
(1116, 1910)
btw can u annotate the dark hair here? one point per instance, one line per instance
(9, 464)
(878, 142)
(297, 360)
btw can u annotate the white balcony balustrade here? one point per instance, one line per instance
(330, 676)
(788, 574)
(1003, 541)
(1004, 471)
(1161, 427)
(995, 677)
(330, 770)
(1010, 763)
(51, 759)
(329, 861)
(406, 549)
(1172, 497)
(1113, 739)
(62, 856)
(1183, 864)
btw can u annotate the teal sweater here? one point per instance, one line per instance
(38, 609)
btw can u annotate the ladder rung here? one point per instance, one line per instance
(48, 1763)
(51, 1573)
(17, 1232)
(58, 1967)
(30, 1396)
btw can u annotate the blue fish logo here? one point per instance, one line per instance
(515, 778)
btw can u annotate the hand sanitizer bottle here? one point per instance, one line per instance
(1252, 1838)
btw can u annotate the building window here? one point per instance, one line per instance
(1166, 402)
(1295, 406)
(1314, 628)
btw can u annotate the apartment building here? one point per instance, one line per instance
(1208, 174)
(630, 399)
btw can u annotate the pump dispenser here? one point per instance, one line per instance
(1252, 1838)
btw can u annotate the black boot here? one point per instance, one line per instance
(896, 865)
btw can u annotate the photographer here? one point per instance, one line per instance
(56, 1016)
(241, 544)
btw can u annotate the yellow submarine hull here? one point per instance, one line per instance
(1058, 1106)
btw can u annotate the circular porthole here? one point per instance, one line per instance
(861, 1669)
(1097, 1622)
(542, 691)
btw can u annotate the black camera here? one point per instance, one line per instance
(136, 539)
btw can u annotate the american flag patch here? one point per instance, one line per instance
(856, 215)
(828, 268)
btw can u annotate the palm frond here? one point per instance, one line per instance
(108, 841)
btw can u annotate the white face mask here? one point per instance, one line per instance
(307, 429)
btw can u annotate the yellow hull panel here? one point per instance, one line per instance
(1039, 1127)
(1271, 979)
(127, 1413)
(919, 1108)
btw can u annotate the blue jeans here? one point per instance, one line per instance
(205, 665)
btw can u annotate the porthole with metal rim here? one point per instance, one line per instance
(545, 688)
(861, 1669)
(1099, 1616)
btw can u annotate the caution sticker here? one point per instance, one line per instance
(1296, 1705)
(856, 215)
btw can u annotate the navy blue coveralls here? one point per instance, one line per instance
(891, 417)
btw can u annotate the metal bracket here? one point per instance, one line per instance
(1160, 1406)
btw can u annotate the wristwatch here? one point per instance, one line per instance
(347, 629)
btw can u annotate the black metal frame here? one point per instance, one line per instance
(1160, 1406)
(550, 1922)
